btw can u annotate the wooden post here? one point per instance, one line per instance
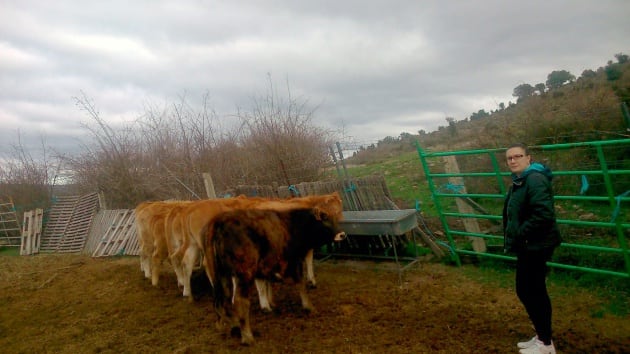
(207, 180)
(27, 226)
(471, 224)
(31, 232)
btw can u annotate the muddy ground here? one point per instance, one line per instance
(78, 304)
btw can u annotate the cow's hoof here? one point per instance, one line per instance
(218, 325)
(247, 339)
(311, 285)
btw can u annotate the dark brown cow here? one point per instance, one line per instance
(244, 245)
(188, 240)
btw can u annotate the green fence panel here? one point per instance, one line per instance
(592, 194)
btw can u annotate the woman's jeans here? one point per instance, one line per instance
(531, 288)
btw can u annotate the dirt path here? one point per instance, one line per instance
(77, 304)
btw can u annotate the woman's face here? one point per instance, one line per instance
(516, 160)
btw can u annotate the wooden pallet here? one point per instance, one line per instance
(113, 233)
(9, 225)
(69, 223)
(31, 232)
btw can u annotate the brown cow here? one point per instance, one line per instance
(197, 215)
(244, 245)
(185, 247)
(150, 218)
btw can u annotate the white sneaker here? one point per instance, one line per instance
(527, 344)
(539, 348)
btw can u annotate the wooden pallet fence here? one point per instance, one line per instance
(69, 223)
(58, 218)
(366, 193)
(31, 232)
(9, 224)
(113, 233)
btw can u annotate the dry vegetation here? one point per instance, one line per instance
(164, 153)
(77, 304)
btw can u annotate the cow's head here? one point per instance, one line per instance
(330, 222)
(333, 205)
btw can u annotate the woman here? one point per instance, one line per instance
(530, 231)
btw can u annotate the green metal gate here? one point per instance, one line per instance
(592, 195)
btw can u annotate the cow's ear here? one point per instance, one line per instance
(319, 213)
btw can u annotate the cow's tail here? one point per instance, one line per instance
(220, 285)
(208, 254)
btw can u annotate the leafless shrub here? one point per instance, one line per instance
(113, 164)
(283, 140)
(165, 152)
(28, 179)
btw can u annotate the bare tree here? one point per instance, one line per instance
(283, 143)
(113, 165)
(165, 152)
(28, 178)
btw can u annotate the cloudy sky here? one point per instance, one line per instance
(372, 68)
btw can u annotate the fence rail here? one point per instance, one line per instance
(583, 209)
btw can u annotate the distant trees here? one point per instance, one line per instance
(557, 78)
(614, 70)
(622, 58)
(523, 91)
(476, 115)
(452, 126)
(588, 73)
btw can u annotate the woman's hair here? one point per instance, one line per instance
(522, 146)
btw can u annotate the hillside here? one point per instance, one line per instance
(588, 108)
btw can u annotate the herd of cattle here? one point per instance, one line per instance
(240, 242)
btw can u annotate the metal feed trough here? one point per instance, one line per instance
(379, 234)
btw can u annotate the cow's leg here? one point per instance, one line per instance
(176, 262)
(306, 302)
(189, 261)
(221, 304)
(264, 294)
(156, 263)
(270, 294)
(175, 255)
(145, 263)
(241, 304)
(207, 262)
(146, 252)
(310, 273)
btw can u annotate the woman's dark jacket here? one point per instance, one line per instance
(529, 220)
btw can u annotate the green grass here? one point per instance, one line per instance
(9, 251)
(616, 291)
(404, 177)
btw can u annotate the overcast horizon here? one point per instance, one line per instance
(369, 69)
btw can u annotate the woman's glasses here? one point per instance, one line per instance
(515, 157)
